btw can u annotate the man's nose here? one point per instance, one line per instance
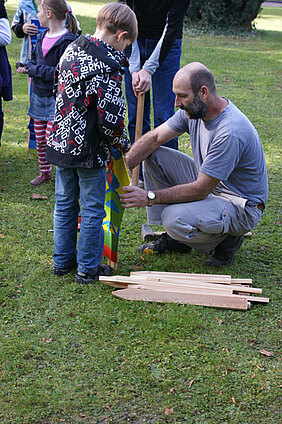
(177, 102)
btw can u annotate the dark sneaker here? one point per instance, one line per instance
(40, 179)
(86, 278)
(61, 271)
(64, 271)
(162, 244)
(224, 253)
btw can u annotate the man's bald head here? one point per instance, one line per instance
(196, 74)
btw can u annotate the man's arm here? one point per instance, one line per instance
(141, 80)
(135, 197)
(148, 143)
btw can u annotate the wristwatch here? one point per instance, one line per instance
(151, 197)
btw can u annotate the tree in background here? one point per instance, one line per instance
(223, 14)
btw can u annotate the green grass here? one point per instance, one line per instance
(72, 354)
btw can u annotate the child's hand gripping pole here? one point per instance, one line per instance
(138, 133)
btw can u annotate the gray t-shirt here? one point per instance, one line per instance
(227, 148)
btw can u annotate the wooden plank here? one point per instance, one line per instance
(258, 299)
(176, 289)
(177, 279)
(115, 284)
(227, 302)
(207, 277)
(186, 283)
(238, 281)
(182, 283)
(197, 285)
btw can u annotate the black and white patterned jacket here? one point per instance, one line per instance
(90, 106)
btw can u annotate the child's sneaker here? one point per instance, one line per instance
(40, 179)
(86, 278)
(63, 271)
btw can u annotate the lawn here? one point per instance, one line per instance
(72, 354)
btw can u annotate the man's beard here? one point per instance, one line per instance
(196, 109)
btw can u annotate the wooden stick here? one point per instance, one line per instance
(226, 279)
(180, 289)
(112, 264)
(232, 302)
(165, 283)
(258, 299)
(180, 283)
(138, 133)
(238, 281)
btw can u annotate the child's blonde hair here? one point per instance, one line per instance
(60, 9)
(115, 16)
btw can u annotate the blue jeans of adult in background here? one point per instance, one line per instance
(163, 96)
(88, 185)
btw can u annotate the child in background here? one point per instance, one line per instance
(26, 26)
(22, 27)
(89, 119)
(5, 68)
(50, 46)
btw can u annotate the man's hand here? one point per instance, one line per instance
(134, 197)
(30, 29)
(141, 81)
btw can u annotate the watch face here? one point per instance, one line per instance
(151, 195)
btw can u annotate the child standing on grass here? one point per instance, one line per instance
(49, 47)
(5, 68)
(89, 119)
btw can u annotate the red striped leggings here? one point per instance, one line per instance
(42, 131)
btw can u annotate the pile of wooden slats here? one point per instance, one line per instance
(218, 291)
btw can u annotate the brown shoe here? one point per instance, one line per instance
(40, 179)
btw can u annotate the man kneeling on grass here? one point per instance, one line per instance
(210, 201)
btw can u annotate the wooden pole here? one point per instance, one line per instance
(138, 133)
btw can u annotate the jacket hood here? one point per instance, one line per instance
(99, 57)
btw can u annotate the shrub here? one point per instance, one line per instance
(231, 15)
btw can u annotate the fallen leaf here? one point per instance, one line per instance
(36, 196)
(266, 352)
(2, 236)
(191, 382)
(47, 340)
(219, 320)
(233, 399)
(168, 411)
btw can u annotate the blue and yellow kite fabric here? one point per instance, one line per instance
(117, 177)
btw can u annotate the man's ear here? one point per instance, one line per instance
(121, 34)
(203, 92)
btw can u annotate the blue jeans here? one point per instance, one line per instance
(88, 185)
(163, 96)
